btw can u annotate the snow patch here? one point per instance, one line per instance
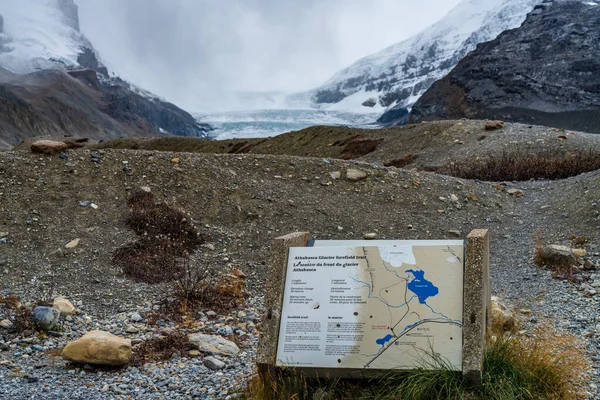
(36, 36)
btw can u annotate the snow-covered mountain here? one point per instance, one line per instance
(41, 34)
(398, 75)
(53, 84)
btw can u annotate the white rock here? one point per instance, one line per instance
(135, 317)
(354, 175)
(72, 244)
(6, 324)
(213, 344)
(64, 306)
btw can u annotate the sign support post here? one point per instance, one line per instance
(477, 304)
(273, 301)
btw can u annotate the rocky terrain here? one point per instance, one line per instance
(425, 146)
(239, 202)
(544, 72)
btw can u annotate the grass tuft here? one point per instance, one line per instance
(545, 364)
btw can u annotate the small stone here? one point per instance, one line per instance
(193, 353)
(72, 244)
(579, 252)
(213, 344)
(209, 246)
(46, 318)
(589, 265)
(98, 347)
(370, 236)
(94, 206)
(176, 160)
(131, 329)
(146, 189)
(453, 197)
(515, 192)
(64, 306)
(3, 234)
(136, 317)
(590, 293)
(238, 273)
(6, 324)
(354, 175)
(211, 314)
(335, 175)
(213, 363)
(493, 125)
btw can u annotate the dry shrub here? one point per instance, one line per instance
(166, 237)
(201, 287)
(19, 315)
(358, 148)
(151, 262)
(545, 364)
(401, 162)
(161, 348)
(521, 166)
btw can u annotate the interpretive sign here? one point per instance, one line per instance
(372, 305)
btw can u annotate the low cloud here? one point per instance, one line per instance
(197, 52)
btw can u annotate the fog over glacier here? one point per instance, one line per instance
(198, 53)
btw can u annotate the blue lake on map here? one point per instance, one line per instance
(421, 286)
(384, 340)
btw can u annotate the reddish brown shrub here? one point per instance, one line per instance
(160, 348)
(167, 236)
(521, 166)
(401, 162)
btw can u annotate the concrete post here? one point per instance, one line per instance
(277, 270)
(477, 304)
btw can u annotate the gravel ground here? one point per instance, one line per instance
(240, 202)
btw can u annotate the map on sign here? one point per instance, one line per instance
(379, 306)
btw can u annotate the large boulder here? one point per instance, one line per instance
(213, 344)
(557, 255)
(99, 347)
(48, 147)
(45, 318)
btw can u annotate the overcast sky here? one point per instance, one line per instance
(185, 49)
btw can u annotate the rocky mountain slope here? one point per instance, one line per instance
(428, 146)
(545, 72)
(52, 83)
(397, 76)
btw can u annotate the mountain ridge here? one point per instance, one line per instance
(502, 79)
(52, 83)
(397, 76)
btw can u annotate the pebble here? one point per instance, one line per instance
(214, 363)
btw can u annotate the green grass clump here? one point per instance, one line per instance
(540, 365)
